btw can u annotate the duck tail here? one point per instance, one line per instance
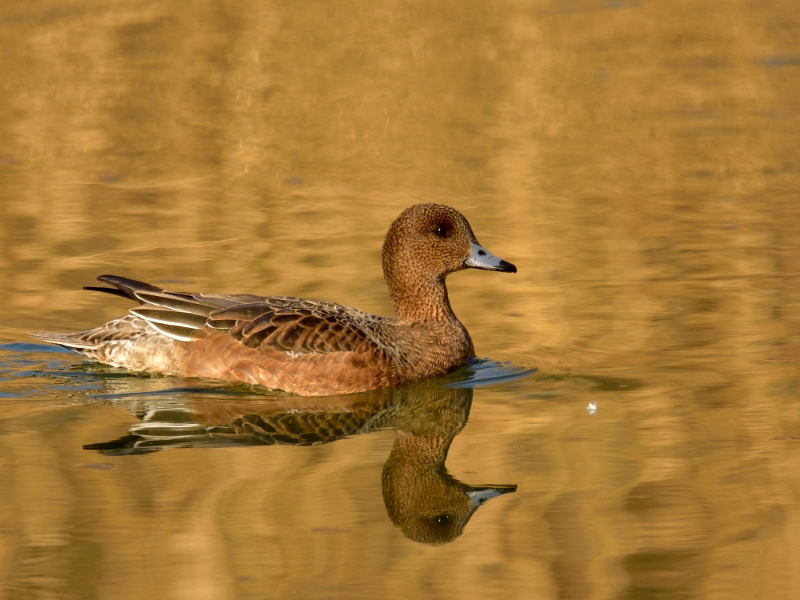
(123, 287)
(72, 341)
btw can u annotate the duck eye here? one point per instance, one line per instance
(442, 519)
(442, 231)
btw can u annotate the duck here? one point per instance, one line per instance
(300, 346)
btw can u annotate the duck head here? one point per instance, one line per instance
(424, 244)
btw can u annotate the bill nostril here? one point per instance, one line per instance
(481, 252)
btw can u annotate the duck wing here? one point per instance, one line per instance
(291, 325)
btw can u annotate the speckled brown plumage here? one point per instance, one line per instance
(302, 346)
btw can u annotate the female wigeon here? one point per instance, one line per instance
(303, 346)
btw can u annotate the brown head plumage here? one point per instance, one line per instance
(424, 244)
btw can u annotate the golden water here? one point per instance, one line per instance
(638, 161)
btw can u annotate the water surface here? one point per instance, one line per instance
(637, 161)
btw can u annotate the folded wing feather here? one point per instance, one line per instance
(286, 324)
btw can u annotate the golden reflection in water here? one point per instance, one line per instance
(638, 162)
(421, 497)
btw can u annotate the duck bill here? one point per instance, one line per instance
(480, 494)
(481, 258)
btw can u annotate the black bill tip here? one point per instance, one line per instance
(506, 267)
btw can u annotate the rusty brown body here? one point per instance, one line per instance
(302, 346)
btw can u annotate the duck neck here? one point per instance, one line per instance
(420, 300)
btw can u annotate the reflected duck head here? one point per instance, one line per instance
(427, 503)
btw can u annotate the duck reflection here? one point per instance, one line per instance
(421, 497)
